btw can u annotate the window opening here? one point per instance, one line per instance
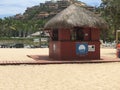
(77, 34)
(55, 35)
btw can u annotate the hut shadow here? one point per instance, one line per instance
(39, 57)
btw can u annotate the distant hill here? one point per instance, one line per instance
(34, 18)
(48, 9)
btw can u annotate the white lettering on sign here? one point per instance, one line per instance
(54, 47)
(91, 48)
(86, 34)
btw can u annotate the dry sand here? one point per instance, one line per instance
(101, 76)
(108, 52)
(8, 54)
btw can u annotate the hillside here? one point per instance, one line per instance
(47, 10)
(34, 18)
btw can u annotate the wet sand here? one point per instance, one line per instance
(100, 76)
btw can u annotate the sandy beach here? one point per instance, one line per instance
(95, 76)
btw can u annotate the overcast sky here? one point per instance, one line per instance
(12, 7)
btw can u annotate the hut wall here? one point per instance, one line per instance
(95, 34)
(54, 50)
(87, 32)
(64, 35)
(66, 50)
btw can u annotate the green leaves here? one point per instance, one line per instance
(110, 11)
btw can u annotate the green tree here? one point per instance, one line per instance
(110, 11)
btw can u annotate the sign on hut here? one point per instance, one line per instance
(75, 34)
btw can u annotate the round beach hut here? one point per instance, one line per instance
(75, 34)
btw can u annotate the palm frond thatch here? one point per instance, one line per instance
(75, 16)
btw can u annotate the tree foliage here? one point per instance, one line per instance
(110, 11)
(30, 22)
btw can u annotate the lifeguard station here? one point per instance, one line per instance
(75, 34)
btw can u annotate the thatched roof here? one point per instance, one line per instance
(75, 16)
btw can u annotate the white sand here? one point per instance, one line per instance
(102, 76)
(8, 54)
(14, 54)
(108, 52)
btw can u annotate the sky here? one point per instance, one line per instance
(12, 7)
